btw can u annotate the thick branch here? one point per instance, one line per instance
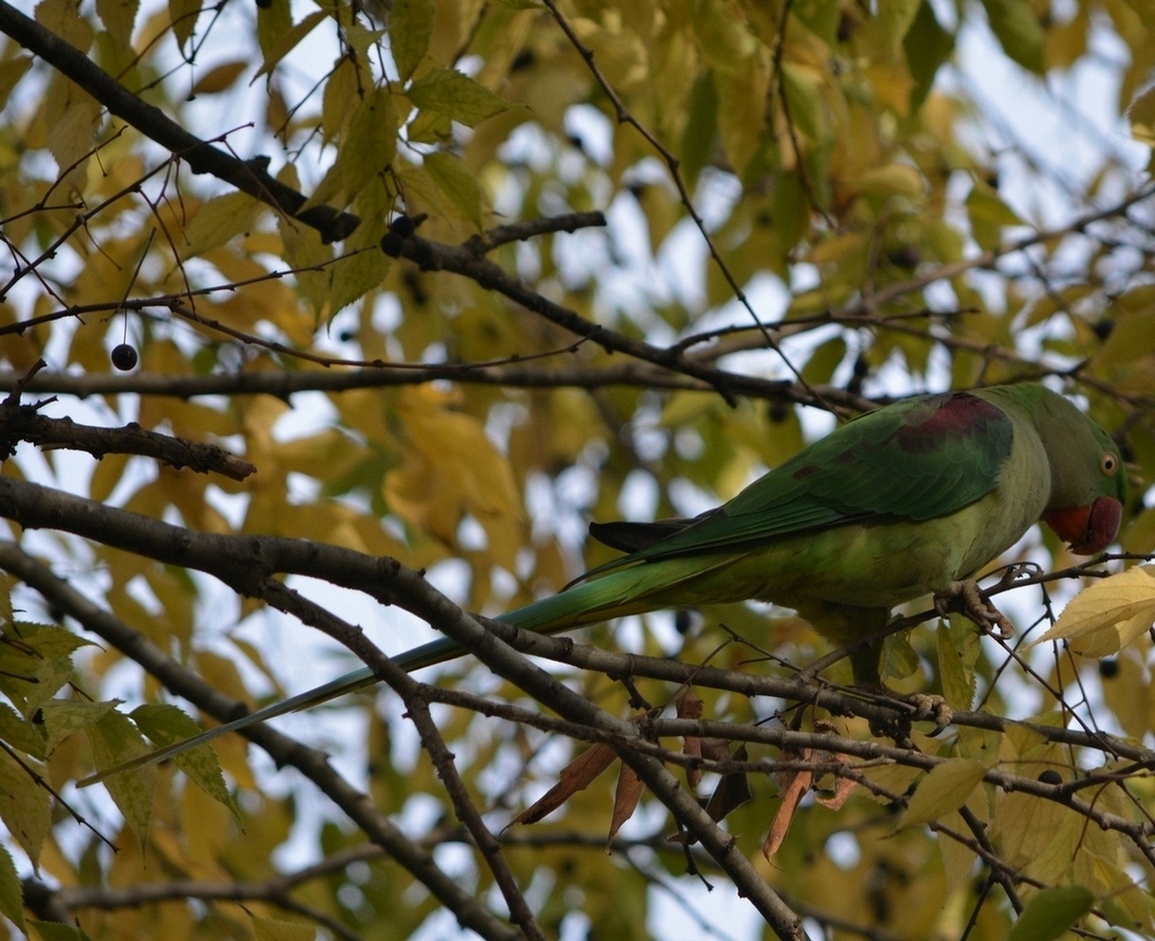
(24, 423)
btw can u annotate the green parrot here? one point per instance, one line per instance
(912, 499)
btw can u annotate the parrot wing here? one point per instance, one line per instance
(914, 460)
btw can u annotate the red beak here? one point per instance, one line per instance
(1089, 529)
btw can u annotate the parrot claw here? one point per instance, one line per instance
(967, 598)
(929, 706)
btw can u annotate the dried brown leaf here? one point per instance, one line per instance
(795, 786)
(626, 797)
(574, 777)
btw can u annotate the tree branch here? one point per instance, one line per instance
(24, 423)
(202, 157)
(313, 764)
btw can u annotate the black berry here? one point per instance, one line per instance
(123, 357)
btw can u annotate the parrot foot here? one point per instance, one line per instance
(933, 708)
(966, 598)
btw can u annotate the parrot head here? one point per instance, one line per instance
(1089, 526)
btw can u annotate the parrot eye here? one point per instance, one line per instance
(1108, 464)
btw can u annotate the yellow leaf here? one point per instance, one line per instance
(897, 17)
(1109, 614)
(723, 37)
(220, 78)
(743, 87)
(63, 18)
(73, 118)
(62, 717)
(286, 43)
(1038, 836)
(166, 724)
(943, 791)
(899, 179)
(957, 652)
(273, 21)
(118, 17)
(958, 859)
(217, 221)
(452, 469)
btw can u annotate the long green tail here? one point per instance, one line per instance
(626, 591)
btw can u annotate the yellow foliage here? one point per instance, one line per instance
(450, 469)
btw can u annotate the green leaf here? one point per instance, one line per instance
(366, 150)
(278, 929)
(897, 17)
(62, 717)
(803, 97)
(18, 732)
(25, 806)
(456, 95)
(410, 29)
(988, 215)
(355, 275)
(11, 895)
(945, 789)
(11, 71)
(927, 46)
(183, 16)
(115, 739)
(274, 21)
(166, 724)
(449, 173)
(54, 931)
(1051, 912)
(701, 128)
(51, 640)
(958, 650)
(1017, 27)
(899, 659)
(51, 675)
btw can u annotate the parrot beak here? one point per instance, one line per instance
(1088, 529)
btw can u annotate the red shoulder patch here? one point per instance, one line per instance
(958, 415)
